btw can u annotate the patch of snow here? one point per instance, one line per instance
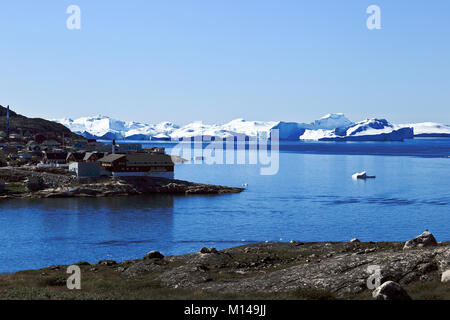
(317, 135)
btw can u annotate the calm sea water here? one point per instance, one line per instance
(312, 198)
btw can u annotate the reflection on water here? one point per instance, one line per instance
(41, 232)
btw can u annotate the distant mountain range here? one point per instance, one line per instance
(332, 127)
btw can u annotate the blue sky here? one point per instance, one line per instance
(216, 60)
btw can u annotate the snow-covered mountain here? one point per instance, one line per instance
(334, 127)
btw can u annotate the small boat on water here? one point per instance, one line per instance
(362, 175)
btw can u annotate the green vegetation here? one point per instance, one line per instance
(239, 271)
(101, 282)
(15, 188)
(105, 283)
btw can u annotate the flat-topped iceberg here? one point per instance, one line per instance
(429, 129)
(367, 130)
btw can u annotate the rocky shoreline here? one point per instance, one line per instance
(339, 268)
(418, 269)
(54, 185)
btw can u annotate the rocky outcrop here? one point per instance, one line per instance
(390, 290)
(61, 186)
(340, 268)
(426, 239)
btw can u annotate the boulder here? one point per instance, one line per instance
(206, 250)
(154, 255)
(107, 262)
(426, 239)
(445, 276)
(355, 240)
(390, 290)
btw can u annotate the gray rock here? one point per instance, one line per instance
(355, 240)
(154, 255)
(390, 290)
(426, 239)
(445, 276)
(144, 267)
(107, 262)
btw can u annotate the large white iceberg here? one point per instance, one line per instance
(367, 130)
(429, 129)
(293, 130)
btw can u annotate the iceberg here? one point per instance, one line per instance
(331, 121)
(294, 130)
(331, 127)
(367, 130)
(429, 129)
(103, 127)
(289, 130)
(362, 175)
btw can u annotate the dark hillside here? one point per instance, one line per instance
(19, 123)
